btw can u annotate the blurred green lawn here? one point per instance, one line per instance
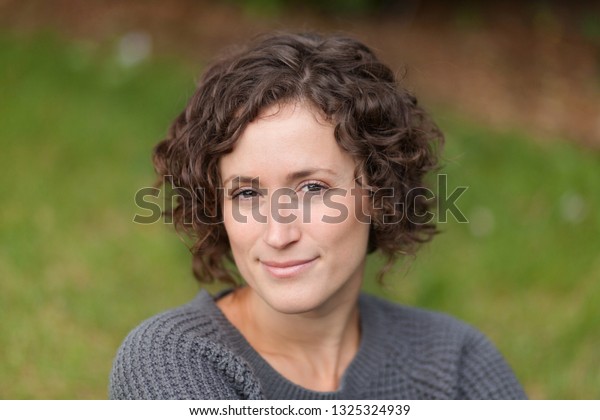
(76, 274)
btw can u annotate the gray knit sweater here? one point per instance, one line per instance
(194, 352)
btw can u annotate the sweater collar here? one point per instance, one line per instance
(356, 379)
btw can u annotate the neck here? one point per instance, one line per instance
(311, 349)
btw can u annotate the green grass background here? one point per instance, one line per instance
(76, 274)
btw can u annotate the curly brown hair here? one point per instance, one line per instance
(378, 122)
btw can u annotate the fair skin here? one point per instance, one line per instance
(303, 271)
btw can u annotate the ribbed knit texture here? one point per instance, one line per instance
(194, 352)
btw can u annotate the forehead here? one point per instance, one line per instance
(286, 138)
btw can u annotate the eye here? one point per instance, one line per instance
(313, 187)
(244, 194)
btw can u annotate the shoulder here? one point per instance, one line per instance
(417, 325)
(178, 355)
(443, 356)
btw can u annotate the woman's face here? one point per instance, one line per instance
(294, 215)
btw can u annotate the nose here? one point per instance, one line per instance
(282, 228)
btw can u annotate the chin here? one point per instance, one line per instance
(292, 307)
(294, 303)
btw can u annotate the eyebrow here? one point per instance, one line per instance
(292, 176)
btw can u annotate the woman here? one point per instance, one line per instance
(295, 158)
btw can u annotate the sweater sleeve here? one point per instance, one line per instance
(483, 372)
(158, 360)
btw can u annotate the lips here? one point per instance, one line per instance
(287, 269)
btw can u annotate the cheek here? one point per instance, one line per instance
(240, 228)
(338, 226)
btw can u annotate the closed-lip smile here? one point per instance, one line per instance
(285, 269)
